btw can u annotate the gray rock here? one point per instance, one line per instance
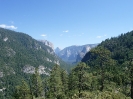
(57, 50)
(69, 54)
(28, 69)
(1, 74)
(47, 43)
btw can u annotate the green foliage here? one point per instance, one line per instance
(55, 83)
(64, 79)
(22, 91)
(115, 68)
(82, 77)
(36, 85)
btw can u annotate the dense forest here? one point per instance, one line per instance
(106, 72)
(81, 83)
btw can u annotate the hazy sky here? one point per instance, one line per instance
(68, 22)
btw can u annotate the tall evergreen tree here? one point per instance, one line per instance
(64, 79)
(79, 78)
(22, 91)
(55, 83)
(37, 87)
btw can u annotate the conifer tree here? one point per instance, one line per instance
(64, 79)
(72, 83)
(37, 87)
(55, 83)
(22, 91)
(79, 78)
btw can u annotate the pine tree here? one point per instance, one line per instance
(55, 83)
(64, 79)
(72, 83)
(36, 82)
(79, 78)
(22, 91)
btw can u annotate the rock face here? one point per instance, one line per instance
(31, 70)
(74, 53)
(82, 53)
(28, 69)
(47, 43)
(1, 74)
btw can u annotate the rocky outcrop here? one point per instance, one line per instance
(5, 39)
(1, 74)
(42, 70)
(57, 62)
(47, 59)
(50, 51)
(31, 70)
(47, 43)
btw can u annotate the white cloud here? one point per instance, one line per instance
(99, 36)
(44, 35)
(7, 26)
(66, 31)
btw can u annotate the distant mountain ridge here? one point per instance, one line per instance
(82, 53)
(71, 54)
(57, 50)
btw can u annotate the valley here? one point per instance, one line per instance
(30, 69)
(66, 49)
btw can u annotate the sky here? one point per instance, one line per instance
(68, 22)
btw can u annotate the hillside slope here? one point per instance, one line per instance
(121, 48)
(112, 61)
(20, 54)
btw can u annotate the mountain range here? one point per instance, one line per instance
(74, 54)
